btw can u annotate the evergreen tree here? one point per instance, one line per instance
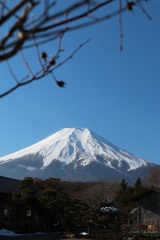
(123, 196)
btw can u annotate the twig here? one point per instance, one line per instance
(39, 75)
(37, 47)
(13, 11)
(120, 24)
(11, 71)
(71, 55)
(27, 65)
(144, 11)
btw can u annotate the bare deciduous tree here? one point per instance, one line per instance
(154, 177)
(32, 23)
(102, 192)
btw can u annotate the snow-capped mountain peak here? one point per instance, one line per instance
(76, 147)
(77, 144)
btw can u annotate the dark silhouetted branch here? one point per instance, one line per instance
(31, 23)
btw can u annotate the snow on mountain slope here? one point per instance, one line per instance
(78, 146)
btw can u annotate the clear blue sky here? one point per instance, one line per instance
(115, 94)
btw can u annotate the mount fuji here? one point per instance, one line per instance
(74, 154)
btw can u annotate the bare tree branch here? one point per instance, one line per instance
(42, 73)
(30, 23)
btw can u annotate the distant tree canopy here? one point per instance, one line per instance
(30, 23)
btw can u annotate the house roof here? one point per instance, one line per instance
(150, 190)
(7, 185)
(133, 211)
(155, 189)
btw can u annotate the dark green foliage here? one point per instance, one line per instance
(27, 188)
(123, 195)
(138, 183)
(49, 198)
(67, 206)
(138, 186)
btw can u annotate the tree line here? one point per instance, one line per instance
(55, 205)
